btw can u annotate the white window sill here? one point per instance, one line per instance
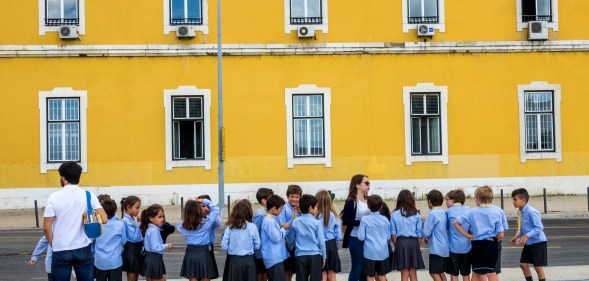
(188, 163)
(541, 155)
(309, 161)
(432, 158)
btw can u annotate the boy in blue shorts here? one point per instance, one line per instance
(530, 234)
(306, 233)
(459, 261)
(485, 227)
(436, 235)
(374, 230)
(108, 261)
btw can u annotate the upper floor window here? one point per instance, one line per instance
(539, 107)
(185, 12)
(305, 12)
(188, 127)
(536, 10)
(60, 12)
(423, 11)
(426, 123)
(308, 125)
(63, 127)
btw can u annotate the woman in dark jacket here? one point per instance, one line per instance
(354, 209)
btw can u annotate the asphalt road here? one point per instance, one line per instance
(568, 244)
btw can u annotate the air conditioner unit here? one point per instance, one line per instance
(306, 32)
(538, 30)
(425, 30)
(184, 31)
(68, 32)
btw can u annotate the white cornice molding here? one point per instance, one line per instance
(156, 50)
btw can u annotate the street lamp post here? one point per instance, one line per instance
(221, 132)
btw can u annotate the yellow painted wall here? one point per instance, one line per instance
(260, 21)
(126, 115)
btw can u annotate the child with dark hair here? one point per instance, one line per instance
(327, 216)
(436, 235)
(153, 266)
(261, 195)
(212, 236)
(108, 261)
(374, 231)
(530, 234)
(195, 227)
(406, 235)
(386, 212)
(273, 234)
(290, 212)
(240, 239)
(132, 260)
(485, 227)
(306, 235)
(459, 261)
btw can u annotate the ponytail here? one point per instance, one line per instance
(144, 222)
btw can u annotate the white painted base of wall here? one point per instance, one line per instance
(18, 198)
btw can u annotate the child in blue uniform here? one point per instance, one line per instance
(406, 236)
(273, 234)
(290, 212)
(41, 246)
(436, 235)
(485, 227)
(212, 237)
(152, 219)
(459, 261)
(332, 231)
(530, 234)
(108, 261)
(374, 230)
(306, 234)
(195, 227)
(261, 195)
(132, 260)
(240, 239)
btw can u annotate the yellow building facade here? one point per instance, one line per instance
(471, 101)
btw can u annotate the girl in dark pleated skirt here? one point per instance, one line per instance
(132, 258)
(406, 232)
(332, 232)
(240, 239)
(152, 219)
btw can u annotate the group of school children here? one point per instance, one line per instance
(300, 236)
(460, 239)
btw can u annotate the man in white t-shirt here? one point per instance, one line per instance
(63, 226)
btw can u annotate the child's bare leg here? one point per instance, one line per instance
(493, 276)
(453, 278)
(331, 276)
(193, 279)
(413, 274)
(540, 272)
(262, 277)
(464, 278)
(404, 274)
(288, 275)
(526, 269)
(382, 278)
(370, 278)
(132, 276)
(443, 276)
(435, 276)
(323, 276)
(476, 277)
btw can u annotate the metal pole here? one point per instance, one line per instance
(545, 208)
(220, 109)
(587, 198)
(181, 206)
(502, 199)
(228, 205)
(36, 214)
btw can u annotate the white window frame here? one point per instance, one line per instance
(187, 91)
(521, 25)
(290, 27)
(440, 26)
(426, 88)
(556, 98)
(204, 27)
(81, 23)
(306, 89)
(63, 93)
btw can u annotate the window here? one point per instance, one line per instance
(423, 11)
(185, 12)
(63, 127)
(305, 12)
(53, 13)
(193, 13)
(426, 123)
(308, 125)
(418, 12)
(537, 10)
(539, 105)
(188, 137)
